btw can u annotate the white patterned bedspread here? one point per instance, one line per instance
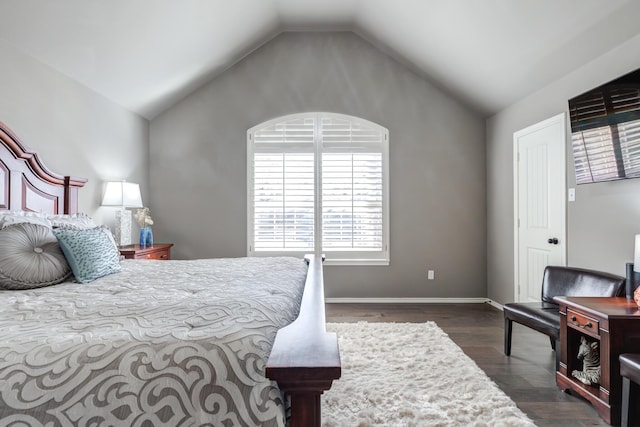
(177, 343)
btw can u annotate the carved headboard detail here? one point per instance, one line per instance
(26, 184)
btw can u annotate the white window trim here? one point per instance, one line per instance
(353, 258)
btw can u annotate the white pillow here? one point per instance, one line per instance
(30, 257)
(18, 217)
(79, 221)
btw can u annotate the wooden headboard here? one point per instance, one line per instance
(27, 185)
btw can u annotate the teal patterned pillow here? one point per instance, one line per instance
(90, 253)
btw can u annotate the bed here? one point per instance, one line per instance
(195, 342)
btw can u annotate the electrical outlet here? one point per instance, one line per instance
(431, 275)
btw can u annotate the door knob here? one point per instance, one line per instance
(553, 240)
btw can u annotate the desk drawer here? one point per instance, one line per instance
(164, 255)
(580, 322)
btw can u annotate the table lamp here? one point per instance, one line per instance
(126, 195)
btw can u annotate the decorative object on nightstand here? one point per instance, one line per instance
(158, 251)
(126, 195)
(146, 237)
(145, 222)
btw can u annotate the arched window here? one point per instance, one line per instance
(318, 182)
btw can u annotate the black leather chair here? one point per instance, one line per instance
(630, 371)
(558, 281)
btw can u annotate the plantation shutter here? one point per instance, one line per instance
(629, 134)
(606, 134)
(317, 182)
(626, 107)
(594, 156)
(352, 180)
(283, 186)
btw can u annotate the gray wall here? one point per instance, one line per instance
(603, 220)
(75, 130)
(437, 161)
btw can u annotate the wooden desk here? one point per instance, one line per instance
(615, 322)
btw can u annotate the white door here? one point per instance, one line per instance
(539, 173)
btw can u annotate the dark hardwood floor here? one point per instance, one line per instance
(527, 376)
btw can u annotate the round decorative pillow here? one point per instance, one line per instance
(30, 257)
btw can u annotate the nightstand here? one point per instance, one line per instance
(157, 251)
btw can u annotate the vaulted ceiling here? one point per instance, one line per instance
(147, 54)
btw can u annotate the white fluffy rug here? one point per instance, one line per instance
(411, 374)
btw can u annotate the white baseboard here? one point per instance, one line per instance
(494, 304)
(413, 301)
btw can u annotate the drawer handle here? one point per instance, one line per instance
(586, 325)
(163, 256)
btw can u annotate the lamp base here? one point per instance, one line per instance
(123, 227)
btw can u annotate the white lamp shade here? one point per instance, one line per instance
(636, 255)
(121, 193)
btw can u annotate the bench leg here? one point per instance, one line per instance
(553, 343)
(508, 326)
(629, 396)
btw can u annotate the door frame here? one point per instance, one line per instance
(561, 119)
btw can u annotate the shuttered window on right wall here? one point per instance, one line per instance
(606, 133)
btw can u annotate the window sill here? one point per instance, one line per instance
(327, 260)
(356, 262)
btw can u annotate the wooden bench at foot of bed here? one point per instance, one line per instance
(305, 359)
